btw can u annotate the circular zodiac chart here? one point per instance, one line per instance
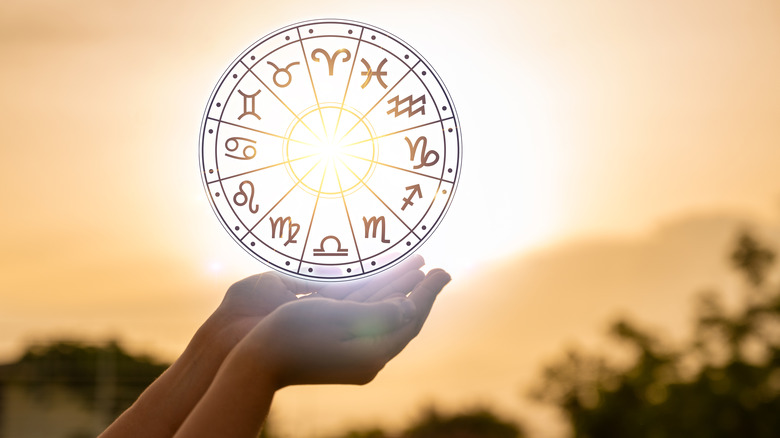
(330, 150)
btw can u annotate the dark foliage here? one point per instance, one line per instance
(475, 424)
(724, 382)
(478, 423)
(91, 371)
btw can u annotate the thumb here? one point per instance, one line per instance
(380, 318)
(424, 294)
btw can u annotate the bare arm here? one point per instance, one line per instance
(163, 407)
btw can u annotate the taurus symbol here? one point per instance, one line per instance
(331, 59)
(282, 70)
(339, 251)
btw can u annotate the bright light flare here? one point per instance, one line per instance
(330, 151)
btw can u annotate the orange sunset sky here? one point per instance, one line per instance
(611, 151)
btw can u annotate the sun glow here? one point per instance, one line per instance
(331, 151)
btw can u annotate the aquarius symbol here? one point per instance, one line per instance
(331, 59)
(282, 70)
(278, 224)
(423, 154)
(378, 73)
(408, 109)
(415, 190)
(249, 101)
(375, 222)
(339, 251)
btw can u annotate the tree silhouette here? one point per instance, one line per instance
(724, 382)
(479, 423)
(85, 369)
(476, 423)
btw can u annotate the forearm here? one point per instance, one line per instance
(165, 404)
(237, 402)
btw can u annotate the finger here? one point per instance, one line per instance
(379, 346)
(424, 294)
(338, 291)
(400, 286)
(376, 283)
(370, 320)
(250, 285)
(359, 290)
(256, 294)
(298, 286)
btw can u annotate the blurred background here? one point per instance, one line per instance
(620, 159)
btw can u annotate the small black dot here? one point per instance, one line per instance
(443, 192)
(406, 56)
(253, 243)
(408, 243)
(219, 104)
(349, 32)
(237, 227)
(310, 269)
(424, 73)
(216, 194)
(287, 263)
(373, 263)
(349, 269)
(311, 31)
(444, 108)
(287, 38)
(211, 131)
(252, 57)
(449, 170)
(424, 227)
(235, 75)
(449, 130)
(211, 170)
(373, 37)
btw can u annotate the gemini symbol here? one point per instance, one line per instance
(249, 104)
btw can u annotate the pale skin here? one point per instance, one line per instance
(272, 331)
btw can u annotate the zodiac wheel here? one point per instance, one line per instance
(330, 150)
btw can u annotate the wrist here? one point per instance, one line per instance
(237, 401)
(254, 355)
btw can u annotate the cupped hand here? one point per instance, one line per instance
(249, 300)
(327, 340)
(339, 333)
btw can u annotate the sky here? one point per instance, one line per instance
(600, 121)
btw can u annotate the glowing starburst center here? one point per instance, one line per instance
(331, 151)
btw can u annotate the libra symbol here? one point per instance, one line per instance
(321, 251)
